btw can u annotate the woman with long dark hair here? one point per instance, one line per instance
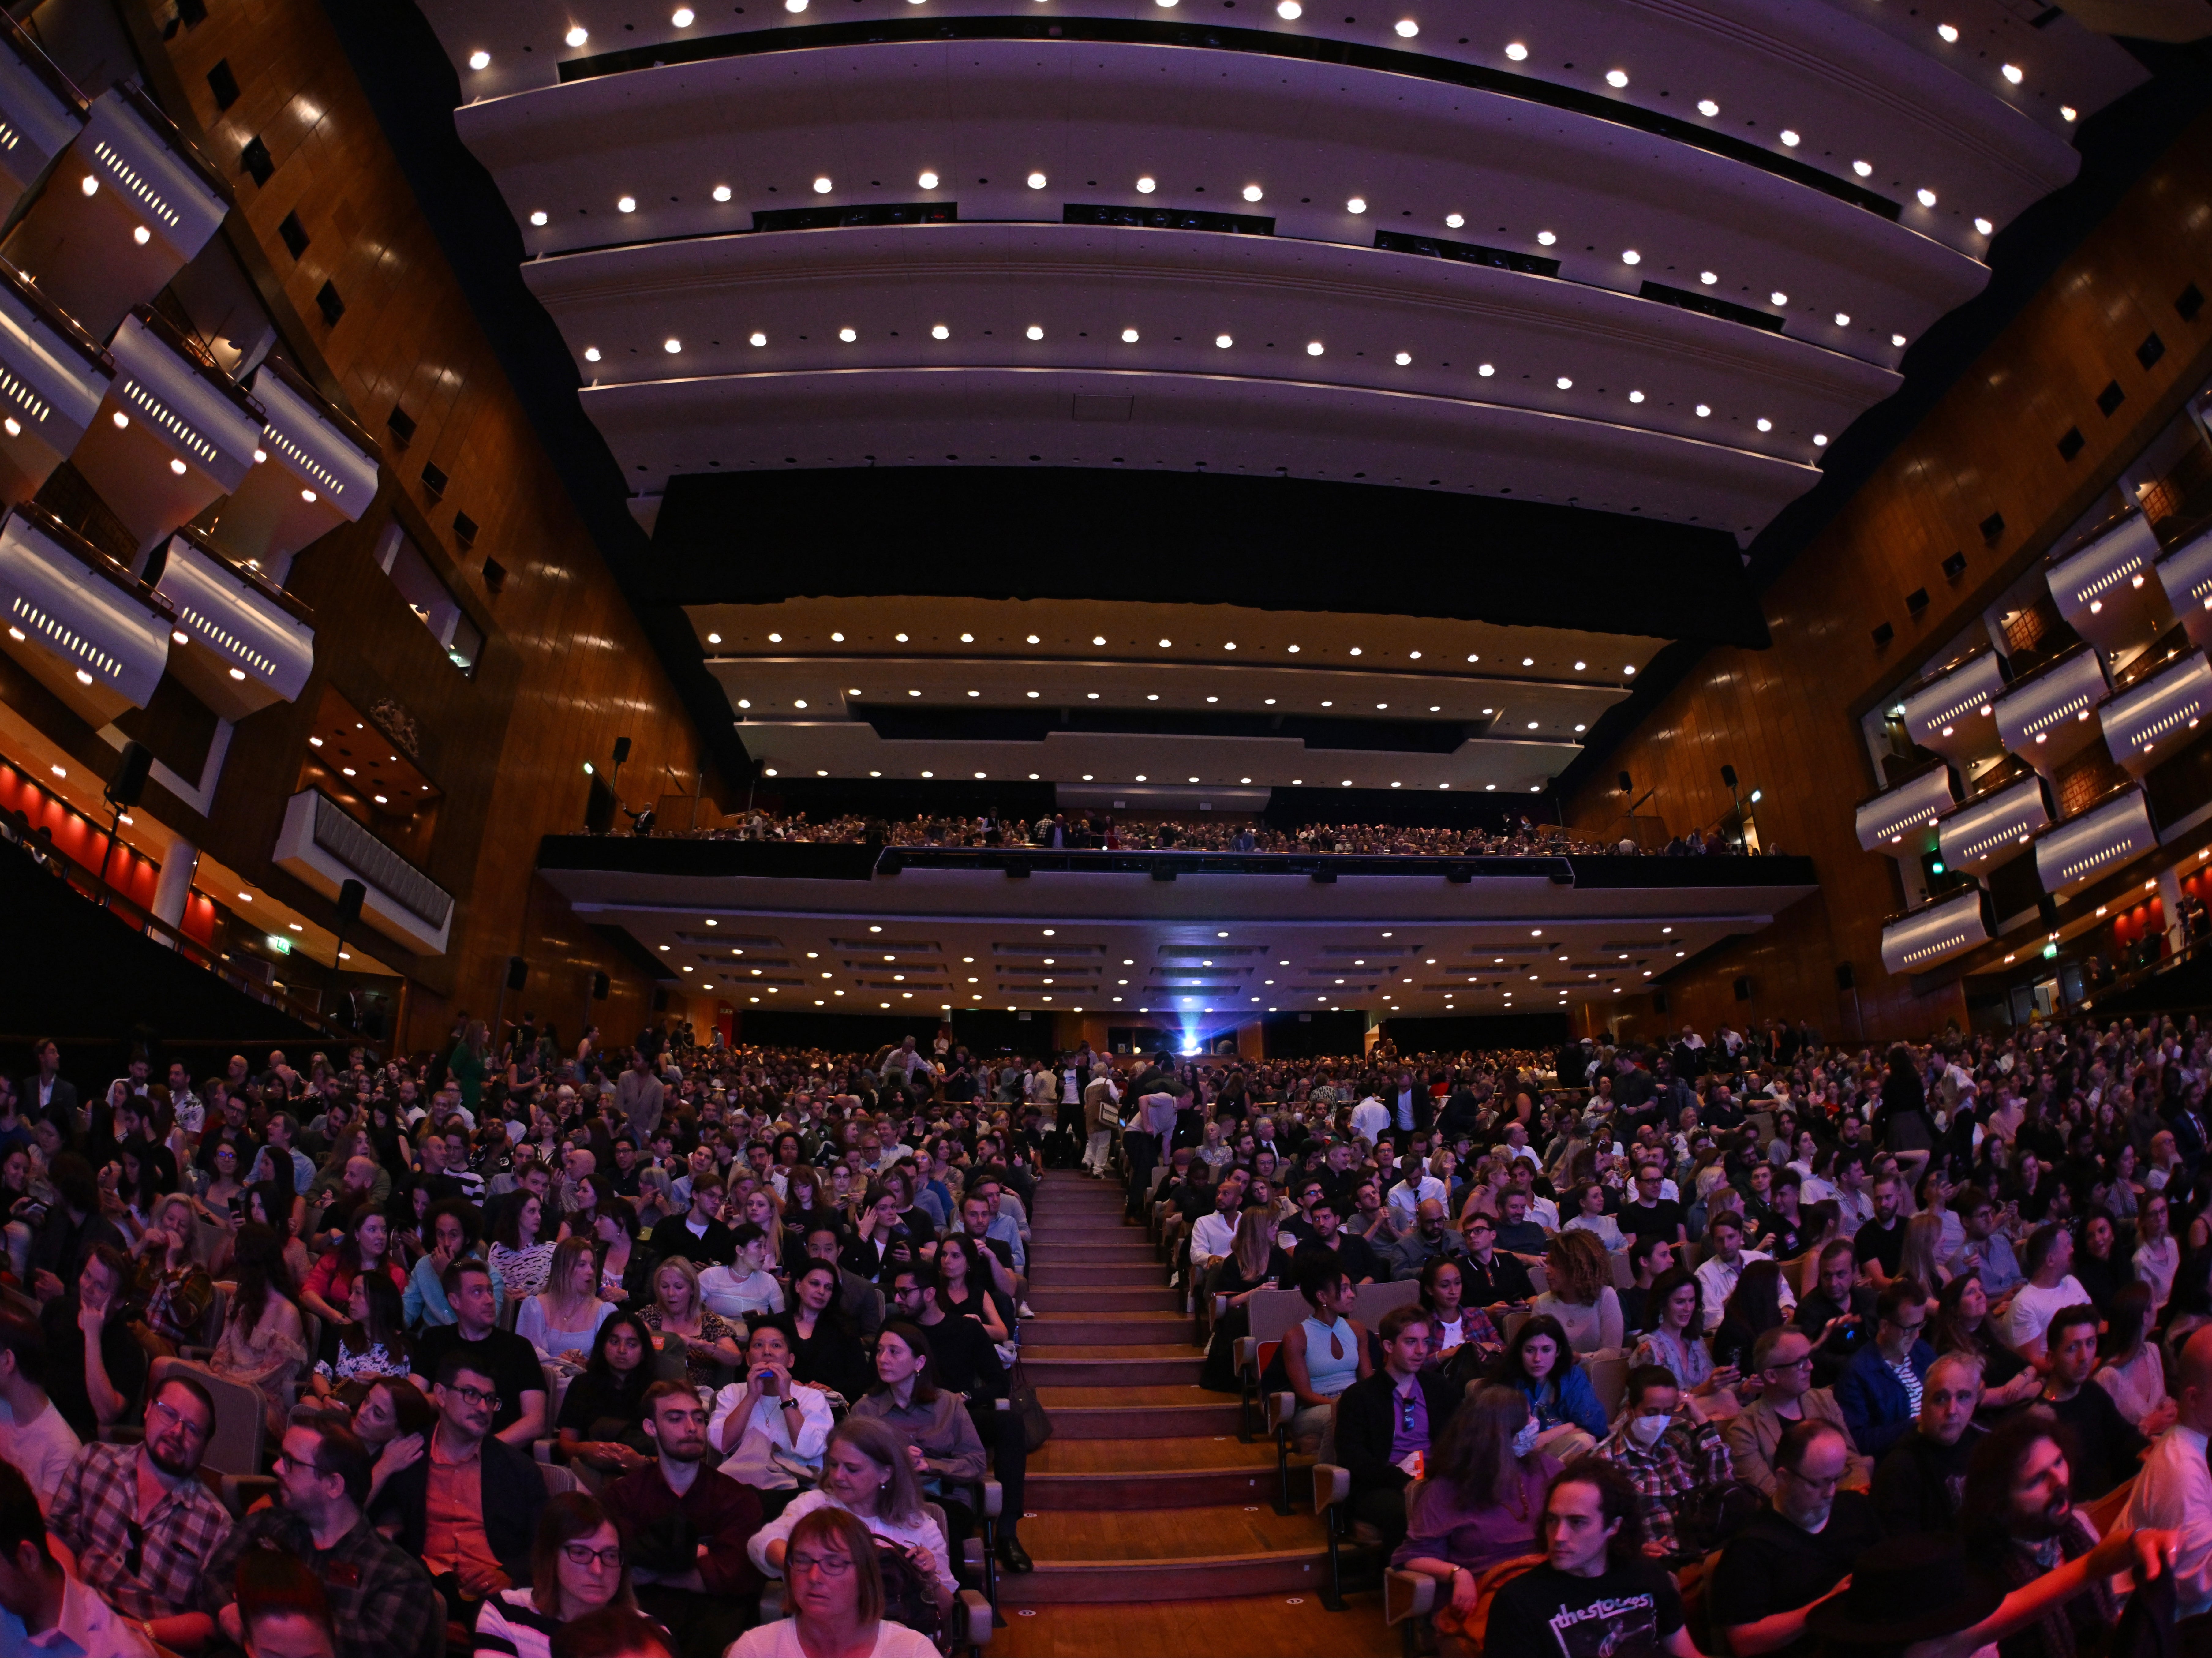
(1674, 1316)
(263, 1341)
(906, 1397)
(824, 1351)
(1482, 1500)
(1539, 1363)
(603, 1413)
(1753, 1308)
(371, 1345)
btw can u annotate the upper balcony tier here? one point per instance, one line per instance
(84, 626)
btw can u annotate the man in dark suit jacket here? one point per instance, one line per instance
(48, 1094)
(476, 1538)
(1383, 1421)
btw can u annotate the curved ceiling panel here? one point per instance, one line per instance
(1845, 82)
(1071, 295)
(1621, 207)
(1137, 419)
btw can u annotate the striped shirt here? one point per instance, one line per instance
(509, 1622)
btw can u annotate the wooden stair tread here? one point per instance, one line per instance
(1245, 1626)
(1136, 1352)
(1094, 1398)
(1069, 1537)
(1136, 1455)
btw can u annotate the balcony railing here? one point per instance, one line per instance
(246, 643)
(83, 625)
(326, 847)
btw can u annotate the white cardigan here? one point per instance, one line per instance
(922, 1532)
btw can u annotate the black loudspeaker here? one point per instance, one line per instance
(350, 897)
(622, 750)
(2046, 911)
(600, 808)
(518, 972)
(1845, 978)
(598, 986)
(1743, 990)
(1728, 775)
(131, 773)
(661, 1001)
(1625, 784)
(1659, 1002)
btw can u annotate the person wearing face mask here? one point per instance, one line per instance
(1667, 1454)
(1797, 1551)
(1387, 1422)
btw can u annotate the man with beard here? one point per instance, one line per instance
(140, 1522)
(2019, 1521)
(684, 1527)
(1791, 1555)
(1429, 1238)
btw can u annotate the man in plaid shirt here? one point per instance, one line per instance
(140, 1522)
(1666, 1451)
(383, 1604)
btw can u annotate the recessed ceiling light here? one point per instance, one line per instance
(1454, 221)
(1224, 341)
(1564, 383)
(1983, 226)
(1820, 439)
(1709, 277)
(1636, 396)
(1486, 370)
(681, 17)
(1790, 138)
(1708, 108)
(1864, 169)
(1779, 297)
(1313, 348)
(838, 639)
(1037, 181)
(1629, 255)
(1705, 411)
(1253, 192)
(1128, 337)
(1290, 11)
(848, 335)
(577, 35)
(1146, 187)
(1099, 638)
(1843, 320)
(1897, 339)
(1616, 77)
(940, 332)
(714, 638)
(1403, 359)
(626, 204)
(1764, 424)
(966, 639)
(1927, 197)
(1949, 31)
(721, 192)
(1167, 644)
(672, 345)
(1407, 28)
(1546, 237)
(479, 59)
(928, 181)
(2013, 73)
(2068, 113)
(591, 354)
(822, 186)
(1357, 204)
(1516, 51)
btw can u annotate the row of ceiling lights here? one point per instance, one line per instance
(1143, 777)
(1099, 641)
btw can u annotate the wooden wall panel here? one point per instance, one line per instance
(565, 668)
(1786, 717)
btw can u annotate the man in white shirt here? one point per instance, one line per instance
(34, 1438)
(2174, 1491)
(1370, 1118)
(2049, 1287)
(44, 1606)
(1718, 1271)
(1406, 1197)
(191, 1113)
(1213, 1235)
(1854, 1206)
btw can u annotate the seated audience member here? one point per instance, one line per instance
(1917, 1484)
(367, 1249)
(1674, 1318)
(1324, 1353)
(138, 1521)
(1490, 1278)
(1650, 1257)
(1987, 1251)
(73, 1227)
(1539, 1363)
(867, 1473)
(1838, 1315)
(770, 1428)
(2106, 1448)
(382, 1601)
(947, 1452)
(394, 1421)
(2050, 1286)
(2157, 1259)
(1754, 1308)
(521, 1252)
(1481, 1501)
(1454, 1329)
(451, 1231)
(469, 1507)
(745, 1288)
(2098, 1265)
(95, 1366)
(1596, 1581)
(602, 1420)
(576, 1569)
(283, 1609)
(824, 1351)
(685, 1528)
(1213, 1234)
(2018, 1516)
(560, 1321)
(263, 1341)
(1384, 1419)
(1783, 1362)
(967, 1362)
(1879, 1392)
(1519, 1231)
(36, 1439)
(2174, 1491)
(369, 1347)
(678, 1312)
(1579, 1292)
(1791, 1554)
(44, 1606)
(836, 1598)
(1668, 1453)
(170, 1281)
(519, 1414)
(1589, 1199)
(1725, 1261)
(1963, 1324)
(1362, 1265)
(612, 1631)
(1428, 1237)
(2134, 1371)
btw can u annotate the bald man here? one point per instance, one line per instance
(2174, 1492)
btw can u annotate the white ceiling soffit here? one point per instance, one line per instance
(984, 117)
(1877, 82)
(812, 688)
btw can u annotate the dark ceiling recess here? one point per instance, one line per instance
(1280, 543)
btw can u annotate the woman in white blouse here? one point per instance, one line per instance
(770, 1429)
(2133, 1372)
(562, 1321)
(2158, 1252)
(1589, 1216)
(865, 1472)
(1580, 1292)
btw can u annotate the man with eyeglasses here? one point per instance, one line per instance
(469, 1507)
(520, 1415)
(140, 1522)
(1881, 1390)
(1796, 1553)
(685, 1527)
(1783, 1361)
(382, 1602)
(1918, 1485)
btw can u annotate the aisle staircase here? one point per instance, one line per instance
(1144, 1494)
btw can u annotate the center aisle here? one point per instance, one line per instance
(1148, 1520)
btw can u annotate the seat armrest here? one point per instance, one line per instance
(994, 1498)
(1281, 1407)
(1248, 1352)
(1220, 1308)
(1408, 1595)
(972, 1619)
(543, 1450)
(1331, 1485)
(241, 1491)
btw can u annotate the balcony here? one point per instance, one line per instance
(2094, 843)
(319, 474)
(40, 114)
(241, 641)
(2104, 588)
(52, 380)
(2049, 717)
(1938, 930)
(1948, 715)
(129, 207)
(2157, 711)
(80, 624)
(1992, 828)
(1898, 821)
(2185, 574)
(175, 435)
(322, 844)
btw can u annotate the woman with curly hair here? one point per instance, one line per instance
(1580, 1292)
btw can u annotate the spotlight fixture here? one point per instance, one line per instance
(577, 35)
(479, 59)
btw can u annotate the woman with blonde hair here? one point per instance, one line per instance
(562, 1320)
(1924, 1239)
(678, 1314)
(1580, 1293)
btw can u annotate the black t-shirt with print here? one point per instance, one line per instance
(1630, 1611)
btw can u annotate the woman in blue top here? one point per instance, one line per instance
(1540, 1363)
(1326, 1353)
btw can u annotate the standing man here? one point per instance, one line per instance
(2174, 1493)
(1101, 1100)
(1145, 1142)
(639, 1096)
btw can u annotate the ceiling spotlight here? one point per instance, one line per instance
(1820, 439)
(1631, 257)
(1544, 238)
(1843, 320)
(1897, 340)
(1616, 77)
(1927, 197)
(1790, 138)
(1636, 396)
(1037, 181)
(479, 59)
(721, 192)
(1099, 638)
(940, 332)
(1709, 277)
(1708, 108)
(577, 35)
(1984, 227)
(538, 218)
(1949, 31)
(591, 354)
(1290, 11)
(626, 204)
(1253, 192)
(822, 186)
(681, 17)
(1518, 52)
(1128, 337)
(1407, 28)
(1313, 348)
(1565, 385)
(1864, 169)
(1779, 297)
(2068, 113)
(1357, 204)
(1486, 370)
(178, 467)
(1764, 424)
(672, 345)
(928, 181)
(1454, 221)
(1404, 359)
(2013, 73)
(848, 335)
(1146, 187)
(1224, 341)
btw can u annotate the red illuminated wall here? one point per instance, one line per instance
(78, 839)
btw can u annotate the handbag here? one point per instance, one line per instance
(1036, 1424)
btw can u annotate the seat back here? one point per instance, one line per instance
(241, 1416)
(1623, 1275)
(2106, 1511)
(210, 1244)
(1609, 1379)
(1273, 1313)
(1538, 1279)
(1370, 1301)
(1510, 1326)
(558, 1478)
